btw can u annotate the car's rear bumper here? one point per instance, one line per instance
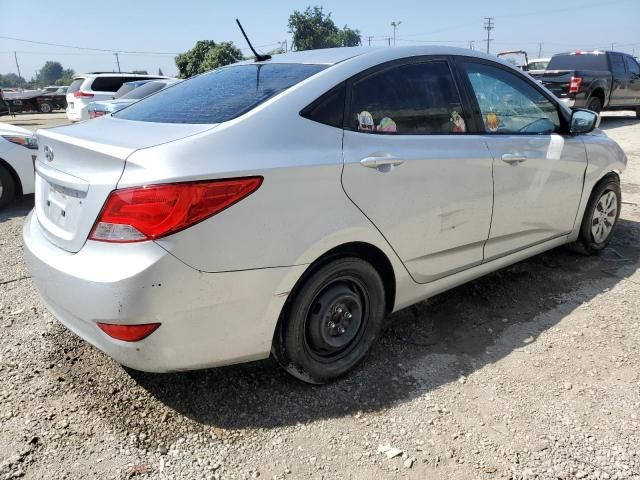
(569, 102)
(208, 319)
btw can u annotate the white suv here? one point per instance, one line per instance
(94, 86)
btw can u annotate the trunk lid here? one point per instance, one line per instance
(79, 165)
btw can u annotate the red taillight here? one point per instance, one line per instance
(94, 114)
(80, 93)
(128, 333)
(146, 213)
(574, 84)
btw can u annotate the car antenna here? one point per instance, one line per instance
(259, 56)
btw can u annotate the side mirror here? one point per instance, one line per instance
(584, 121)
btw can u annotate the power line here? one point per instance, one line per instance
(488, 26)
(84, 48)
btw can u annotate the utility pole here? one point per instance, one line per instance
(369, 38)
(539, 49)
(118, 61)
(15, 55)
(488, 26)
(471, 42)
(395, 25)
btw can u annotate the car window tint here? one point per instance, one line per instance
(144, 90)
(417, 98)
(633, 67)
(578, 61)
(220, 95)
(509, 104)
(329, 108)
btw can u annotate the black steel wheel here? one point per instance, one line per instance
(331, 321)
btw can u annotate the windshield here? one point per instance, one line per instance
(144, 90)
(585, 61)
(220, 95)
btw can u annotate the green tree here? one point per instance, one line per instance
(206, 55)
(49, 73)
(67, 77)
(11, 80)
(314, 29)
(224, 53)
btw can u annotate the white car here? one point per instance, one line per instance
(286, 206)
(18, 148)
(91, 87)
(537, 66)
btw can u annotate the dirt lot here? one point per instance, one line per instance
(531, 372)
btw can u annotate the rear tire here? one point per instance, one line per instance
(7, 187)
(331, 322)
(600, 217)
(45, 107)
(594, 104)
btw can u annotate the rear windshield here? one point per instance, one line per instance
(585, 61)
(143, 90)
(127, 87)
(219, 95)
(75, 85)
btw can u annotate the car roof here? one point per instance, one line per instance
(121, 74)
(332, 56)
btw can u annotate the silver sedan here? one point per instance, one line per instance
(284, 207)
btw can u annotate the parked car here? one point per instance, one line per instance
(133, 91)
(35, 101)
(537, 66)
(95, 86)
(286, 206)
(61, 89)
(18, 148)
(597, 80)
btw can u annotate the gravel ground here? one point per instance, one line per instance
(531, 372)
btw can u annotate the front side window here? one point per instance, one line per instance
(509, 104)
(220, 95)
(632, 67)
(617, 65)
(420, 98)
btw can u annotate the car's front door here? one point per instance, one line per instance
(414, 170)
(538, 172)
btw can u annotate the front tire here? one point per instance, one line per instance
(7, 187)
(331, 322)
(600, 216)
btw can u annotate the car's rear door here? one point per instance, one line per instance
(621, 92)
(414, 170)
(538, 172)
(633, 70)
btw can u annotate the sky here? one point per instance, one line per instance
(159, 29)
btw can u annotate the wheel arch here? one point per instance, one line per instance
(14, 175)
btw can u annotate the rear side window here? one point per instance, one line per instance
(220, 95)
(617, 65)
(578, 61)
(419, 98)
(75, 85)
(329, 108)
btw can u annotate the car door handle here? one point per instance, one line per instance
(383, 161)
(513, 159)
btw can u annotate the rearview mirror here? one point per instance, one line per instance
(584, 121)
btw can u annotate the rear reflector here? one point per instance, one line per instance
(574, 84)
(128, 333)
(154, 211)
